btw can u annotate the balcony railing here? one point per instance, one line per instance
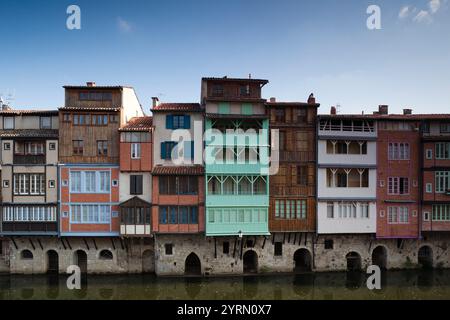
(29, 159)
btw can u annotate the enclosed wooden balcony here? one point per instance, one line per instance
(29, 159)
(135, 218)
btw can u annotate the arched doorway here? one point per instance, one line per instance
(379, 257)
(250, 262)
(353, 261)
(52, 262)
(302, 259)
(148, 261)
(192, 265)
(425, 257)
(80, 259)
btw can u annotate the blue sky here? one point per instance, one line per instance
(163, 48)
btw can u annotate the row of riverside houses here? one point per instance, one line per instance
(234, 184)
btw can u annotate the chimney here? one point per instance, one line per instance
(90, 84)
(155, 102)
(249, 75)
(407, 112)
(273, 99)
(383, 109)
(333, 110)
(311, 99)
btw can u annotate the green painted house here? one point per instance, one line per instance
(236, 157)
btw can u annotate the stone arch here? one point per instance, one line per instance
(250, 262)
(353, 261)
(380, 257)
(148, 261)
(425, 257)
(192, 265)
(106, 254)
(302, 260)
(80, 259)
(52, 262)
(26, 254)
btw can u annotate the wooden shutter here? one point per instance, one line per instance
(187, 122)
(139, 182)
(169, 122)
(163, 150)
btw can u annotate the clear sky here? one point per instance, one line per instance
(163, 48)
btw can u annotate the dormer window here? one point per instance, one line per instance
(8, 123)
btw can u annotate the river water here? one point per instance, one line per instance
(417, 284)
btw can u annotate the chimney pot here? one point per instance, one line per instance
(311, 99)
(90, 84)
(383, 109)
(273, 99)
(155, 102)
(333, 110)
(407, 111)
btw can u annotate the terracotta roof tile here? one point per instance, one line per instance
(89, 108)
(186, 107)
(412, 117)
(28, 112)
(138, 124)
(26, 133)
(235, 79)
(178, 170)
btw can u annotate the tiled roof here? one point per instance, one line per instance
(138, 124)
(29, 133)
(16, 112)
(93, 88)
(412, 117)
(90, 108)
(185, 107)
(178, 170)
(291, 104)
(235, 79)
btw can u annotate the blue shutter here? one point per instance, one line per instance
(192, 150)
(187, 122)
(169, 122)
(163, 150)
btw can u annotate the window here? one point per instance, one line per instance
(426, 216)
(290, 209)
(99, 120)
(282, 140)
(178, 121)
(135, 150)
(8, 123)
(26, 255)
(167, 148)
(397, 185)
(429, 154)
(105, 255)
(90, 182)
(90, 213)
(113, 118)
(51, 183)
(441, 212)
(135, 137)
(445, 127)
(226, 247)
(178, 215)
(302, 175)
(328, 244)
(347, 210)
(29, 184)
(217, 90)
(398, 151)
(66, 117)
(45, 122)
(178, 185)
(7, 146)
(29, 213)
(364, 207)
(301, 115)
(443, 150)
(429, 188)
(52, 146)
(398, 215)
(244, 90)
(77, 147)
(105, 181)
(280, 115)
(278, 249)
(330, 210)
(136, 184)
(102, 148)
(442, 183)
(115, 183)
(168, 248)
(346, 147)
(5, 183)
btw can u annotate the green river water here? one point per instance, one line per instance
(413, 284)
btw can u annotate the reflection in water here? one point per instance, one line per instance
(354, 279)
(412, 284)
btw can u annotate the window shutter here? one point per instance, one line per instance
(169, 122)
(187, 122)
(192, 150)
(139, 184)
(132, 185)
(163, 150)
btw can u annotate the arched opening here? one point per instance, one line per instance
(192, 265)
(148, 261)
(353, 261)
(425, 257)
(105, 255)
(302, 259)
(26, 255)
(80, 259)
(52, 262)
(379, 257)
(250, 262)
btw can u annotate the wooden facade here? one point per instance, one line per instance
(294, 185)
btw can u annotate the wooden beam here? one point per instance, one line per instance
(15, 244)
(87, 244)
(95, 244)
(68, 243)
(113, 244)
(234, 250)
(40, 244)
(64, 245)
(289, 237)
(32, 244)
(264, 242)
(295, 237)
(242, 247)
(215, 248)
